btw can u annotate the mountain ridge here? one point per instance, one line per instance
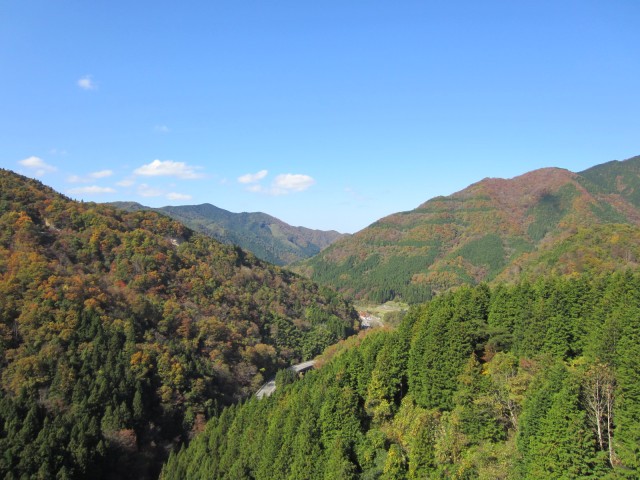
(478, 233)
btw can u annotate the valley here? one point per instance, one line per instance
(524, 381)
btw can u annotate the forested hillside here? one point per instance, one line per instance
(529, 381)
(265, 236)
(494, 229)
(122, 333)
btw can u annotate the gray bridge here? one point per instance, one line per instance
(268, 388)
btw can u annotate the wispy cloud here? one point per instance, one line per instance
(57, 151)
(178, 196)
(161, 129)
(168, 168)
(355, 194)
(145, 190)
(101, 174)
(86, 83)
(91, 190)
(253, 177)
(37, 165)
(126, 182)
(90, 177)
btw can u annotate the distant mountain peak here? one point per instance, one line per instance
(268, 237)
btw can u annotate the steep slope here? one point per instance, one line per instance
(120, 333)
(493, 228)
(265, 236)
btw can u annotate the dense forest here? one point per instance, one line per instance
(528, 381)
(122, 333)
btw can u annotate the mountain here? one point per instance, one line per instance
(494, 229)
(265, 236)
(121, 333)
(526, 381)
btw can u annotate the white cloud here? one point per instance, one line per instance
(145, 190)
(92, 190)
(178, 196)
(283, 184)
(253, 177)
(168, 168)
(39, 166)
(87, 83)
(290, 182)
(161, 129)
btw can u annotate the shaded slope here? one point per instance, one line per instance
(616, 177)
(265, 236)
(476, 234)
(120, 333)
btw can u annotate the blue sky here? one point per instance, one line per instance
(326, 114)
